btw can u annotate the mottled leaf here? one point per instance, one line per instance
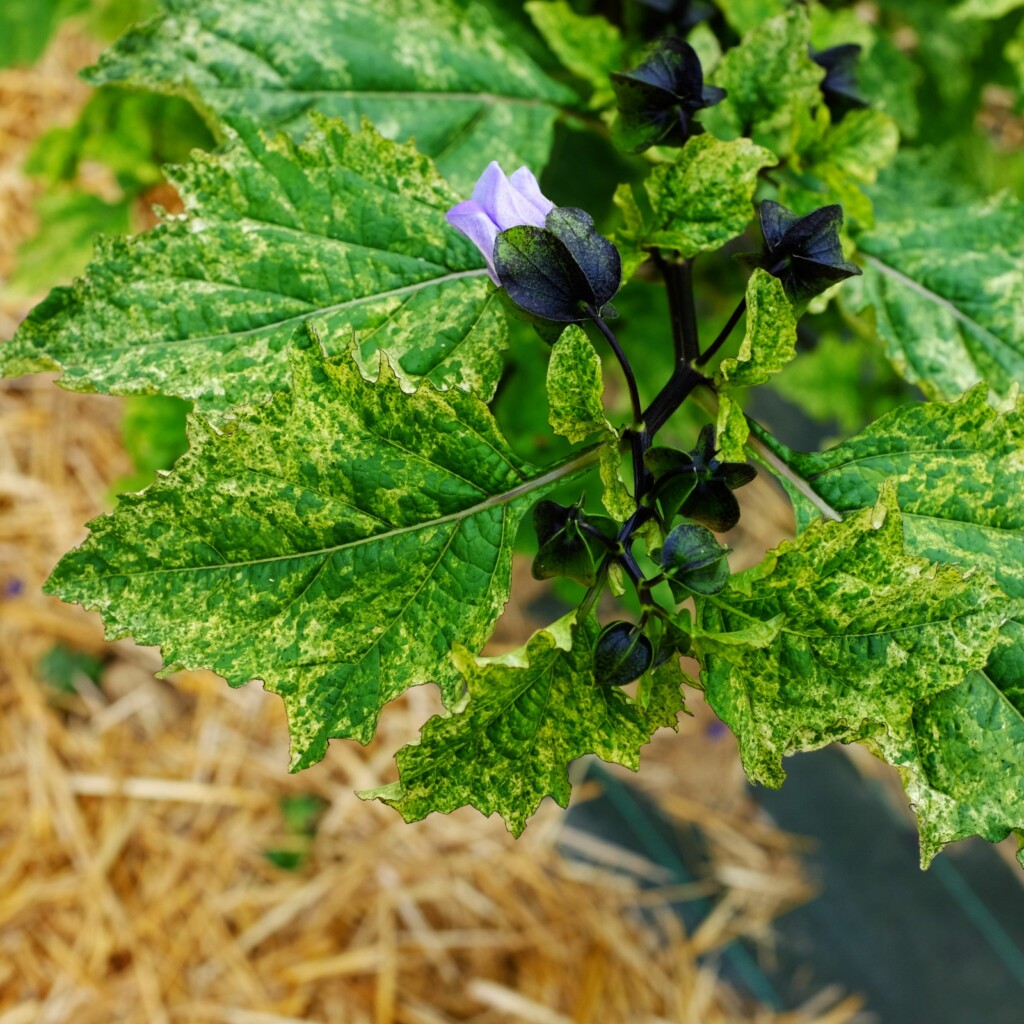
(958, 470)
(529, 713)
(575, 386)
(769, 78)
(697, 203)
(768, 344)
(867, 632)
(959, 478)
(962, 765)
(334, 543)
(347, 231)
(615, 496)
(945, 284)
(832, 161)
(445, 74)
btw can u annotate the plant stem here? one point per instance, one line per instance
(634, 572)
(591, 596)
(678, 277)
(723, 335)
(672, 395)
(627, 370)
(640, 441)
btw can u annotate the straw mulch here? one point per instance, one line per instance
(137, 817)
(148, 871)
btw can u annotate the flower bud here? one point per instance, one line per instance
(659, 98)
(691, 558)
(804, 253)
(839, 86)
(697, 485)
(565, 547)
(550, 260)
(499, 203)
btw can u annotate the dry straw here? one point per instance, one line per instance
(136, 815)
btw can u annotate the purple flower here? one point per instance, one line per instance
(499, 203)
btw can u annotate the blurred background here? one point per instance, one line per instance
(157, 862)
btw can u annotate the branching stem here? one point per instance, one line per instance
(723, 334)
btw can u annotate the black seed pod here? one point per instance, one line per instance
(622, 653)
(692, 558)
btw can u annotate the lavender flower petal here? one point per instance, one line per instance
(527, 186)
(504, 205)
(473, 221)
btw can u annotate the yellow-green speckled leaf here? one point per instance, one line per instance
(529, 713)
(575, 386)
(769, 78)
(867, 632)
(443, 73)
(831, 162)
(697, 203)
(335, 543)
(769, 343)
(958, 470)
(347, 230)
(945, 284)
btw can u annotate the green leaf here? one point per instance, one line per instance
(832, 161)
(769, 78)
(769, 343)
(958, 478)
(697, 204)
(134, 134)
(984, 9)
(334, 543)
(945, 284)
(867, 633)
(529, 713)
(744, 15)
(347, 231)
(153, 432)
(590, 47)
(575, 386)
(69, 221)
(26, 27)
(443, 73)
